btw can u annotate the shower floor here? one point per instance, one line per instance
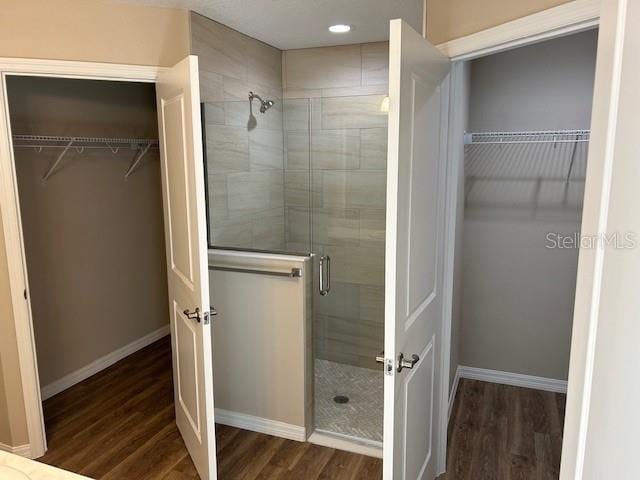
(361, 416)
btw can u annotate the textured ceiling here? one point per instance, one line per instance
(288, 24)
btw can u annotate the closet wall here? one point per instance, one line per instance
(245, 166)
(94, 241)
(518, 295)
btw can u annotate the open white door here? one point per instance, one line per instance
(418, 115)
(178, 95)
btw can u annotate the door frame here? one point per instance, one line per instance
(12, 224)
(570, 18)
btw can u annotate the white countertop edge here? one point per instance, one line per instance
(36, 470)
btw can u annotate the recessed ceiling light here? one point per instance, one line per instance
(339, 28)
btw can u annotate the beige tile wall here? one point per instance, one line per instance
(245, 150)
(335, 141)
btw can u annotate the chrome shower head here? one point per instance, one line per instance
(264, 104)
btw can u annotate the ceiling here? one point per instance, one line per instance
(288, 24)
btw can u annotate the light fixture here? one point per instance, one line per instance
(384, 105)
(339, 28)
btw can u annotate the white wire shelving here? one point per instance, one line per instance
(543, 136)
(40, 142)
(526, 168)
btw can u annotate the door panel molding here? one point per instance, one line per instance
(427, 360)
(184, 355)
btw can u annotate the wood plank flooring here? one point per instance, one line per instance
(501, 432)
(120, 425)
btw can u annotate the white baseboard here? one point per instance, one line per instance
(452, 393)
(261, 425)
(515, 379)
(346, 443)
(22, 450)
(100, 364)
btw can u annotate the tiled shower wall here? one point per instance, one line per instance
(325, 155)
(245, 162)
(334, 118)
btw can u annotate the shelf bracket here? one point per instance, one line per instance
(58, 160)
(136, 160)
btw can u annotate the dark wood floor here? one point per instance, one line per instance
(120, 425)
(500, 432)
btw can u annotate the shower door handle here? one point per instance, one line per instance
(325, 275)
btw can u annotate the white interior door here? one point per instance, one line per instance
(178, 96)
(418, 106)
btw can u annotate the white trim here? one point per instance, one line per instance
(84, 70)
(571, 17)
(102, 363)
(514, 379)
(261, 425)
(452, 393)
(22, 450)
(12, 228)
(17, 268)
(456, 109)
(346, 443)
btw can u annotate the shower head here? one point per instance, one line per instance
(264, 104)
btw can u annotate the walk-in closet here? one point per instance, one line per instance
(527, 116)
(88, 175)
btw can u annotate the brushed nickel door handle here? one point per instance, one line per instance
(404, 363)
(195, 315)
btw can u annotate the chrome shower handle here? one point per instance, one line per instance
(325, 278)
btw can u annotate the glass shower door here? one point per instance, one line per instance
(347, 151)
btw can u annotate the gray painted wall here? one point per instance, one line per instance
(547, 86)
(517, 295)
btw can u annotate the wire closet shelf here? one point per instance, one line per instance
(542, 136)
(526, 168)
(39, 142)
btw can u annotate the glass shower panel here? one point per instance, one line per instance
(297, 176)
(245, 166)
(348, 151)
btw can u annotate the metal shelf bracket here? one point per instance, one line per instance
(57, 162)
(136, 160)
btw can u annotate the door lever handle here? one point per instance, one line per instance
(404, 363)
(195, 315)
